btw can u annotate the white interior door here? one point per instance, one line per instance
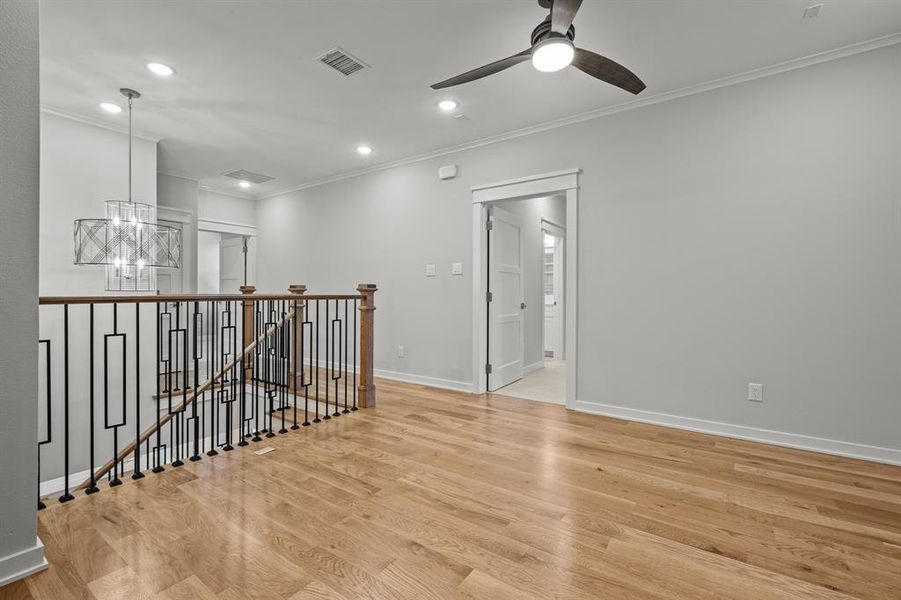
(505, 286)
(231, 264)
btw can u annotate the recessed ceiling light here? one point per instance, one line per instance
(244, 184)
(364, 150)
(160, 69)
(552, 54)
(447, 105)
(110, 107)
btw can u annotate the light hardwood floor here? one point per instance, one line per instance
(444, 495)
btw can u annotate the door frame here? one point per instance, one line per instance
(556, 230)
(232, 228)
(533, 186)
(188, 244)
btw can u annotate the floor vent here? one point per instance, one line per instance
(245, 175)
(341, 61)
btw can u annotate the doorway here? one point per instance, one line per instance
(504, 312)
(525, 260)
(553, 260)
(226, 257)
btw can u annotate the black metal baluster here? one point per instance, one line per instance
(179, 414)
(204, 324)
(194, 416)
(306, 375)
(328, 370)
(66, 495)
(356, 367)
(336, 344)
(106, 421)
(137, 466)
(211, 370)
(346, 321)
(257, 353)
(242, 408)
(92, 486)
(292, 359)
(284, 362)
(230, 356)
(317, 419)
(48, 379)
(158, 465)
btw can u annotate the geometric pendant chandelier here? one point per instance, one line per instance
(129, 241)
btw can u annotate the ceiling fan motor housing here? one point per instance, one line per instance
(543, 31)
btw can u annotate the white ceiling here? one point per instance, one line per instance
(249, 93)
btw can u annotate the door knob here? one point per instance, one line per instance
(522, 305)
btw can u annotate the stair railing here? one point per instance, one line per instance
(224, 371)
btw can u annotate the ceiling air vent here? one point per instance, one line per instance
(245, 175)
(341, 61)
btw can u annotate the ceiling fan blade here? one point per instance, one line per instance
(484, 71)
(562, 14)
(606, 70)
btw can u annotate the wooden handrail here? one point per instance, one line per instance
(189, 298)
(188, 397)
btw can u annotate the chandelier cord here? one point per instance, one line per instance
(129, 149)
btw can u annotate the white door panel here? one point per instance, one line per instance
(505, 283)
(231, 265)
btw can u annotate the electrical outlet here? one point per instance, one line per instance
(401, 352)
(755, 392)
(431, 270)
(456, 268)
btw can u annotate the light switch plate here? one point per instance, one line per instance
(431, 270)
(456, 268)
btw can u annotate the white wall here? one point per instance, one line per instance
(230, 209)
(82, 166)
(20, 550)
(531, 212)
(749, 233)
(181, 194)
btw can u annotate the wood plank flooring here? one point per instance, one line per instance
(442, 495)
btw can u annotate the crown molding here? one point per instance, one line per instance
(57, 112)
(789, 65)
(208, 189)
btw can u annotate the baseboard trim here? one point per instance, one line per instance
(436, 382)
(798, 441)
(23, 563)
(532, 368)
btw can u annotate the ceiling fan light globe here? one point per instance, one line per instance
(552, 54)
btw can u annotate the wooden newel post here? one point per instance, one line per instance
(248, 336)
(367, 310)
(298, 306)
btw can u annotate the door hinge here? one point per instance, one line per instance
(489, 225)
(488, 368)
(489, 297)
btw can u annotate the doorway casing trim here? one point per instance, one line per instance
(533, 186)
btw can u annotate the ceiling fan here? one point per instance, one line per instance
(552, 49)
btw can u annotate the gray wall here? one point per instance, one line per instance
(222, 207)
(531, 212)
(182, 193)
(749, 233)
(19, 181)
(82, 166)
